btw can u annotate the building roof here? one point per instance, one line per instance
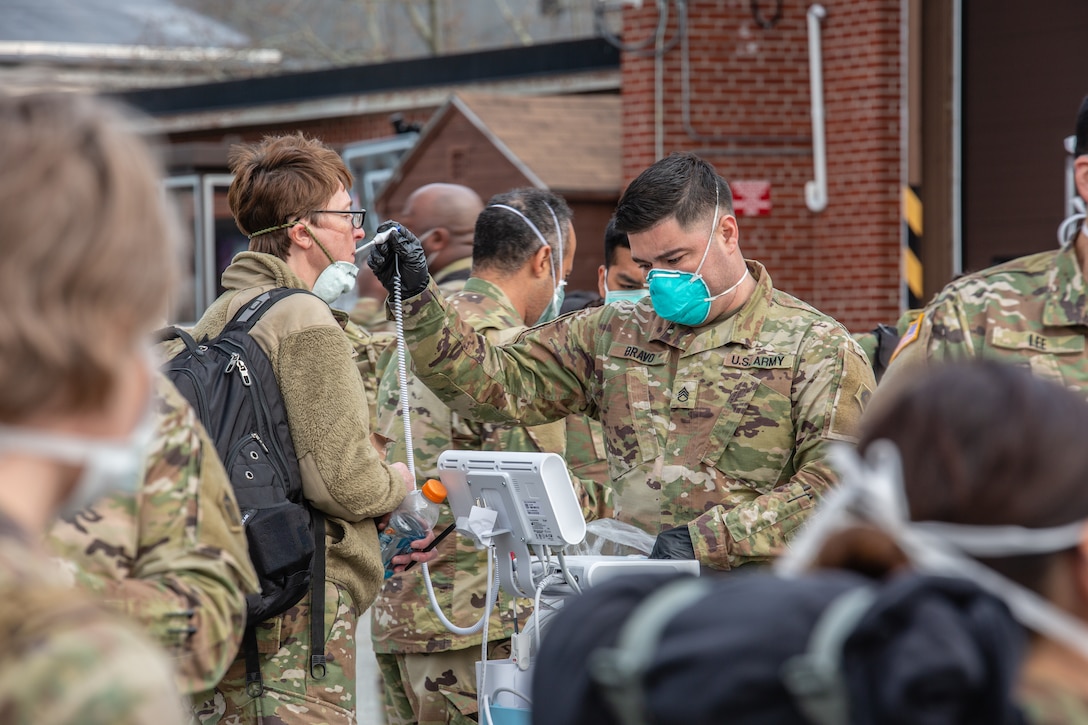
(145, 22)
(568, 143)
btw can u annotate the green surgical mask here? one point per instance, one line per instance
(625, 295)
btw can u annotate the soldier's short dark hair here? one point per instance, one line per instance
(1081, 147)
(504, 241)
(681, 185)
(613, 240)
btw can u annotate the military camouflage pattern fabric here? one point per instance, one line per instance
(723, 428)
(174, 557)
(368, 352)
(587, 459)
(402, 619)
(415, 695)
(64, 658)
(1029, 311)
(291, 694)
(369, 314)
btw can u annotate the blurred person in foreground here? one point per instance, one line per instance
(173, 554)
(89, 259)
(963, 510)
(977, 470)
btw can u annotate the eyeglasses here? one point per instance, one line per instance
(357, 215)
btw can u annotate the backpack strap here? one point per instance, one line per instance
(814, 678)
(317, 599)
(620, 670)
(248, 315)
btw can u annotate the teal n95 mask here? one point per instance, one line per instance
(683, 297)
(558, 294)
(624, 295)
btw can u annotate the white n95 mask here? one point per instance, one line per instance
(109, 466)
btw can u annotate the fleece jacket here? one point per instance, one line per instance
(327, 410)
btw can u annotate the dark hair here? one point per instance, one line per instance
(504, 241)
(1082, 129)
(989, 444)
(681, 185)
(613, 239)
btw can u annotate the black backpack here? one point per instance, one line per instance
(230, 382)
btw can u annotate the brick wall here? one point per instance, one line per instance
(749, 115)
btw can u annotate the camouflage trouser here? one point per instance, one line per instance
(291, 695)
(436, 688)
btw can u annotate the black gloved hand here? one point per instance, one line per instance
(674, 544)
(400, 253)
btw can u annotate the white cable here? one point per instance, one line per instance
(491, 597)
(515, 693)
(402, 373)
(567, 575)
(544, 583)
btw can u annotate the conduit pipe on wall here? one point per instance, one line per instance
(816, 190)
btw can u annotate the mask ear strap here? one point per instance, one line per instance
(319, 244)
(713, 228)
(557, 272)
(620, 670)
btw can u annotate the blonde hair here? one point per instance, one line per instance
(278, 180)
(88, 250)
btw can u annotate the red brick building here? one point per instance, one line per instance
(963, 101)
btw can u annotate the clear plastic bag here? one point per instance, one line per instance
(609, 537)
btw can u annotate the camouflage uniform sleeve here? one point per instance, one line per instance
(176, 559)
(370, 356)
(432, 425)
(588, 461)
(920, 345)
(536, 379)
(832, 384)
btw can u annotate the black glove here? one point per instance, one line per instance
(674, 544)
(400, 254)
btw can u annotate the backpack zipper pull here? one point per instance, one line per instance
(260, 442)
(243, 370)
(232, 363)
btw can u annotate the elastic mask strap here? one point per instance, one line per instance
(871, 492)
(620, 670)
(537, 232)
(558, 235)
(713, 228)
(814, 678)
(274, 229)
(318, 243)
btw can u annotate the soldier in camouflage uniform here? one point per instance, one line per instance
(83, 283)
(428, 673)
(446, 215)
(1031, 311)
(174, 556)
(716, 422)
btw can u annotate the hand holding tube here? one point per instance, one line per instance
(396, 252)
